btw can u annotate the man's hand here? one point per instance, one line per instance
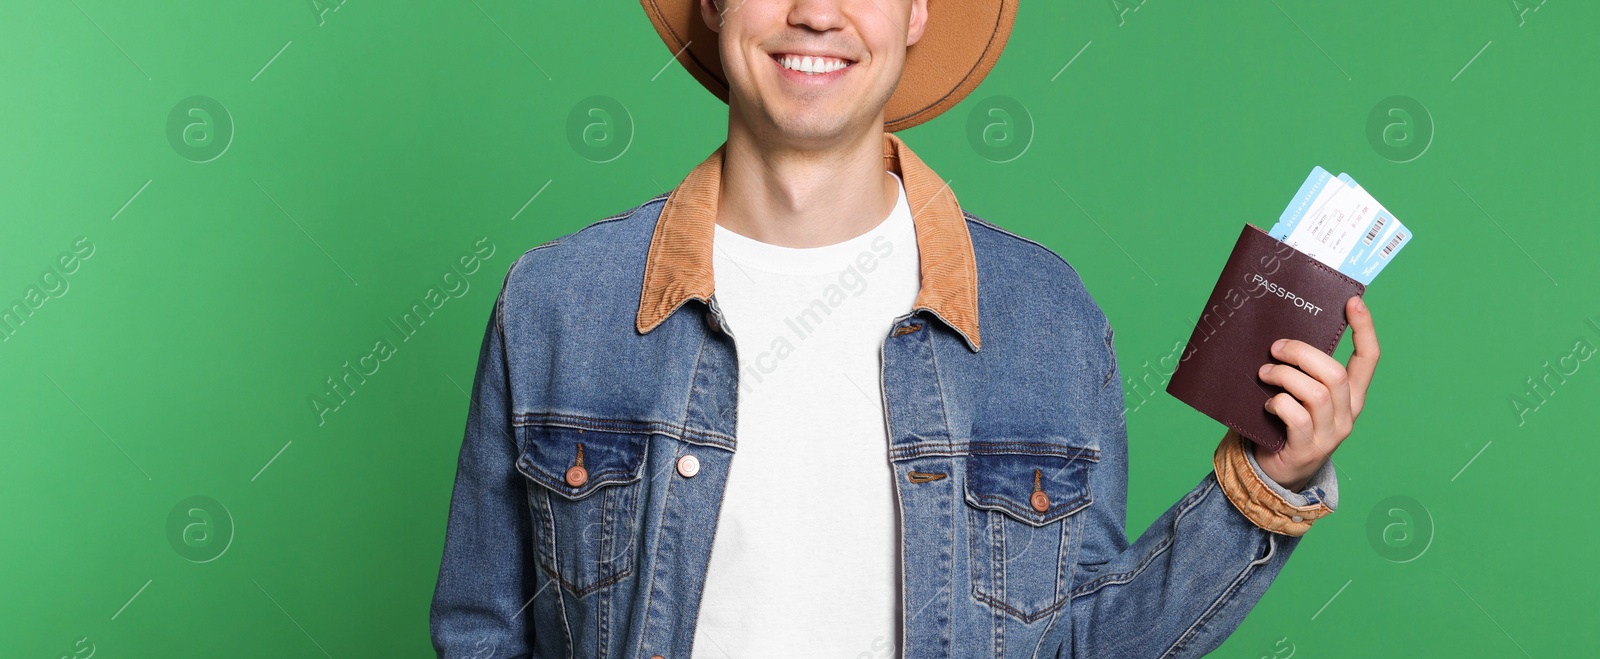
(1327, 398)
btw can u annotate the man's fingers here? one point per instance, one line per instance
(1365, 358)
(1329, 373)
(1294, 416)
(1312, 395)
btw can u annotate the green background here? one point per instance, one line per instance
(372, 145)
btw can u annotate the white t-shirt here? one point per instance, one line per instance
(806, 557)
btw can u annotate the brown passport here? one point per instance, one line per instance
(1267, 291)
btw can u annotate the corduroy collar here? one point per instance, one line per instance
(678, 265)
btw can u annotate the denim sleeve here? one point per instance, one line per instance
(1185, 584)
(484, 578)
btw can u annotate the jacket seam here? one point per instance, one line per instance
(933, 356)
(676, 431)
(582, 591)
(624, 214)
(900, 502)
(991, 600)
(504, 375)
(499, 314)
(1111, 355)
(1122, 578)
(960, 449)
(666, 498)
(1222, 600)
(1005, 504)
(1054, 607)
(1072, 573)
(602, 600)
(557, 241)
(993, 227)
(561, 602)
(598, 481)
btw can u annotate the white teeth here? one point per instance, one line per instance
(811, 65)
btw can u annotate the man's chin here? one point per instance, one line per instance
(815, 125)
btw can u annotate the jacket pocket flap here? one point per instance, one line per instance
(1008, 482)
(609, 457)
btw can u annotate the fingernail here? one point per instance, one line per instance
(1264, 369)
(1361, 305)
(1278, 345)
(1268, 405)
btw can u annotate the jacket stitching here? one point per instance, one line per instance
(561, 602)
(1003, 501)
(985, 223)
(1111, 352)
(1064, 550)
(1072, 574)
(1018, 614)
(1125, 577)
(597, 482)
(672, 430)
(602, 642)
(608, 521)
(499, 311)
(585, 590)
(997, 554)
(933, 357)
(666, 496)
(1222, 600)
(613, 425)
(959, 449)
(998, 572)
(499, 321)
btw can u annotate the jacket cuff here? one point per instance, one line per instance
(1323, 486)
(1263, 501)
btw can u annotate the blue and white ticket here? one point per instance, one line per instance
(1334, 220)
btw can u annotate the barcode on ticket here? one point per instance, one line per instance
(1393, 243)
(1377, 227)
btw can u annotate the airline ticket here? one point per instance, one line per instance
(1334, 220)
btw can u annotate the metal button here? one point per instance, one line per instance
(1040, 501)
(688, 466)
(1297, 518)
(576, 474)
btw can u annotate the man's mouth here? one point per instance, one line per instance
(811, 64)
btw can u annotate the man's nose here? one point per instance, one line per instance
(818, 15)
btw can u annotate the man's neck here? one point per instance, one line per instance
(793, 196)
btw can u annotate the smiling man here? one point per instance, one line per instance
(806, 405)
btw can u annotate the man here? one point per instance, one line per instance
(805, 405)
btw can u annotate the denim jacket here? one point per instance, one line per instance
(573, 531)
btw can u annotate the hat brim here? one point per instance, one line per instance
(960, 44)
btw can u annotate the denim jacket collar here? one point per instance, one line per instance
(678, 265)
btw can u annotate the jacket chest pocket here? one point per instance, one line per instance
(1021, 529)
(585, 503)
